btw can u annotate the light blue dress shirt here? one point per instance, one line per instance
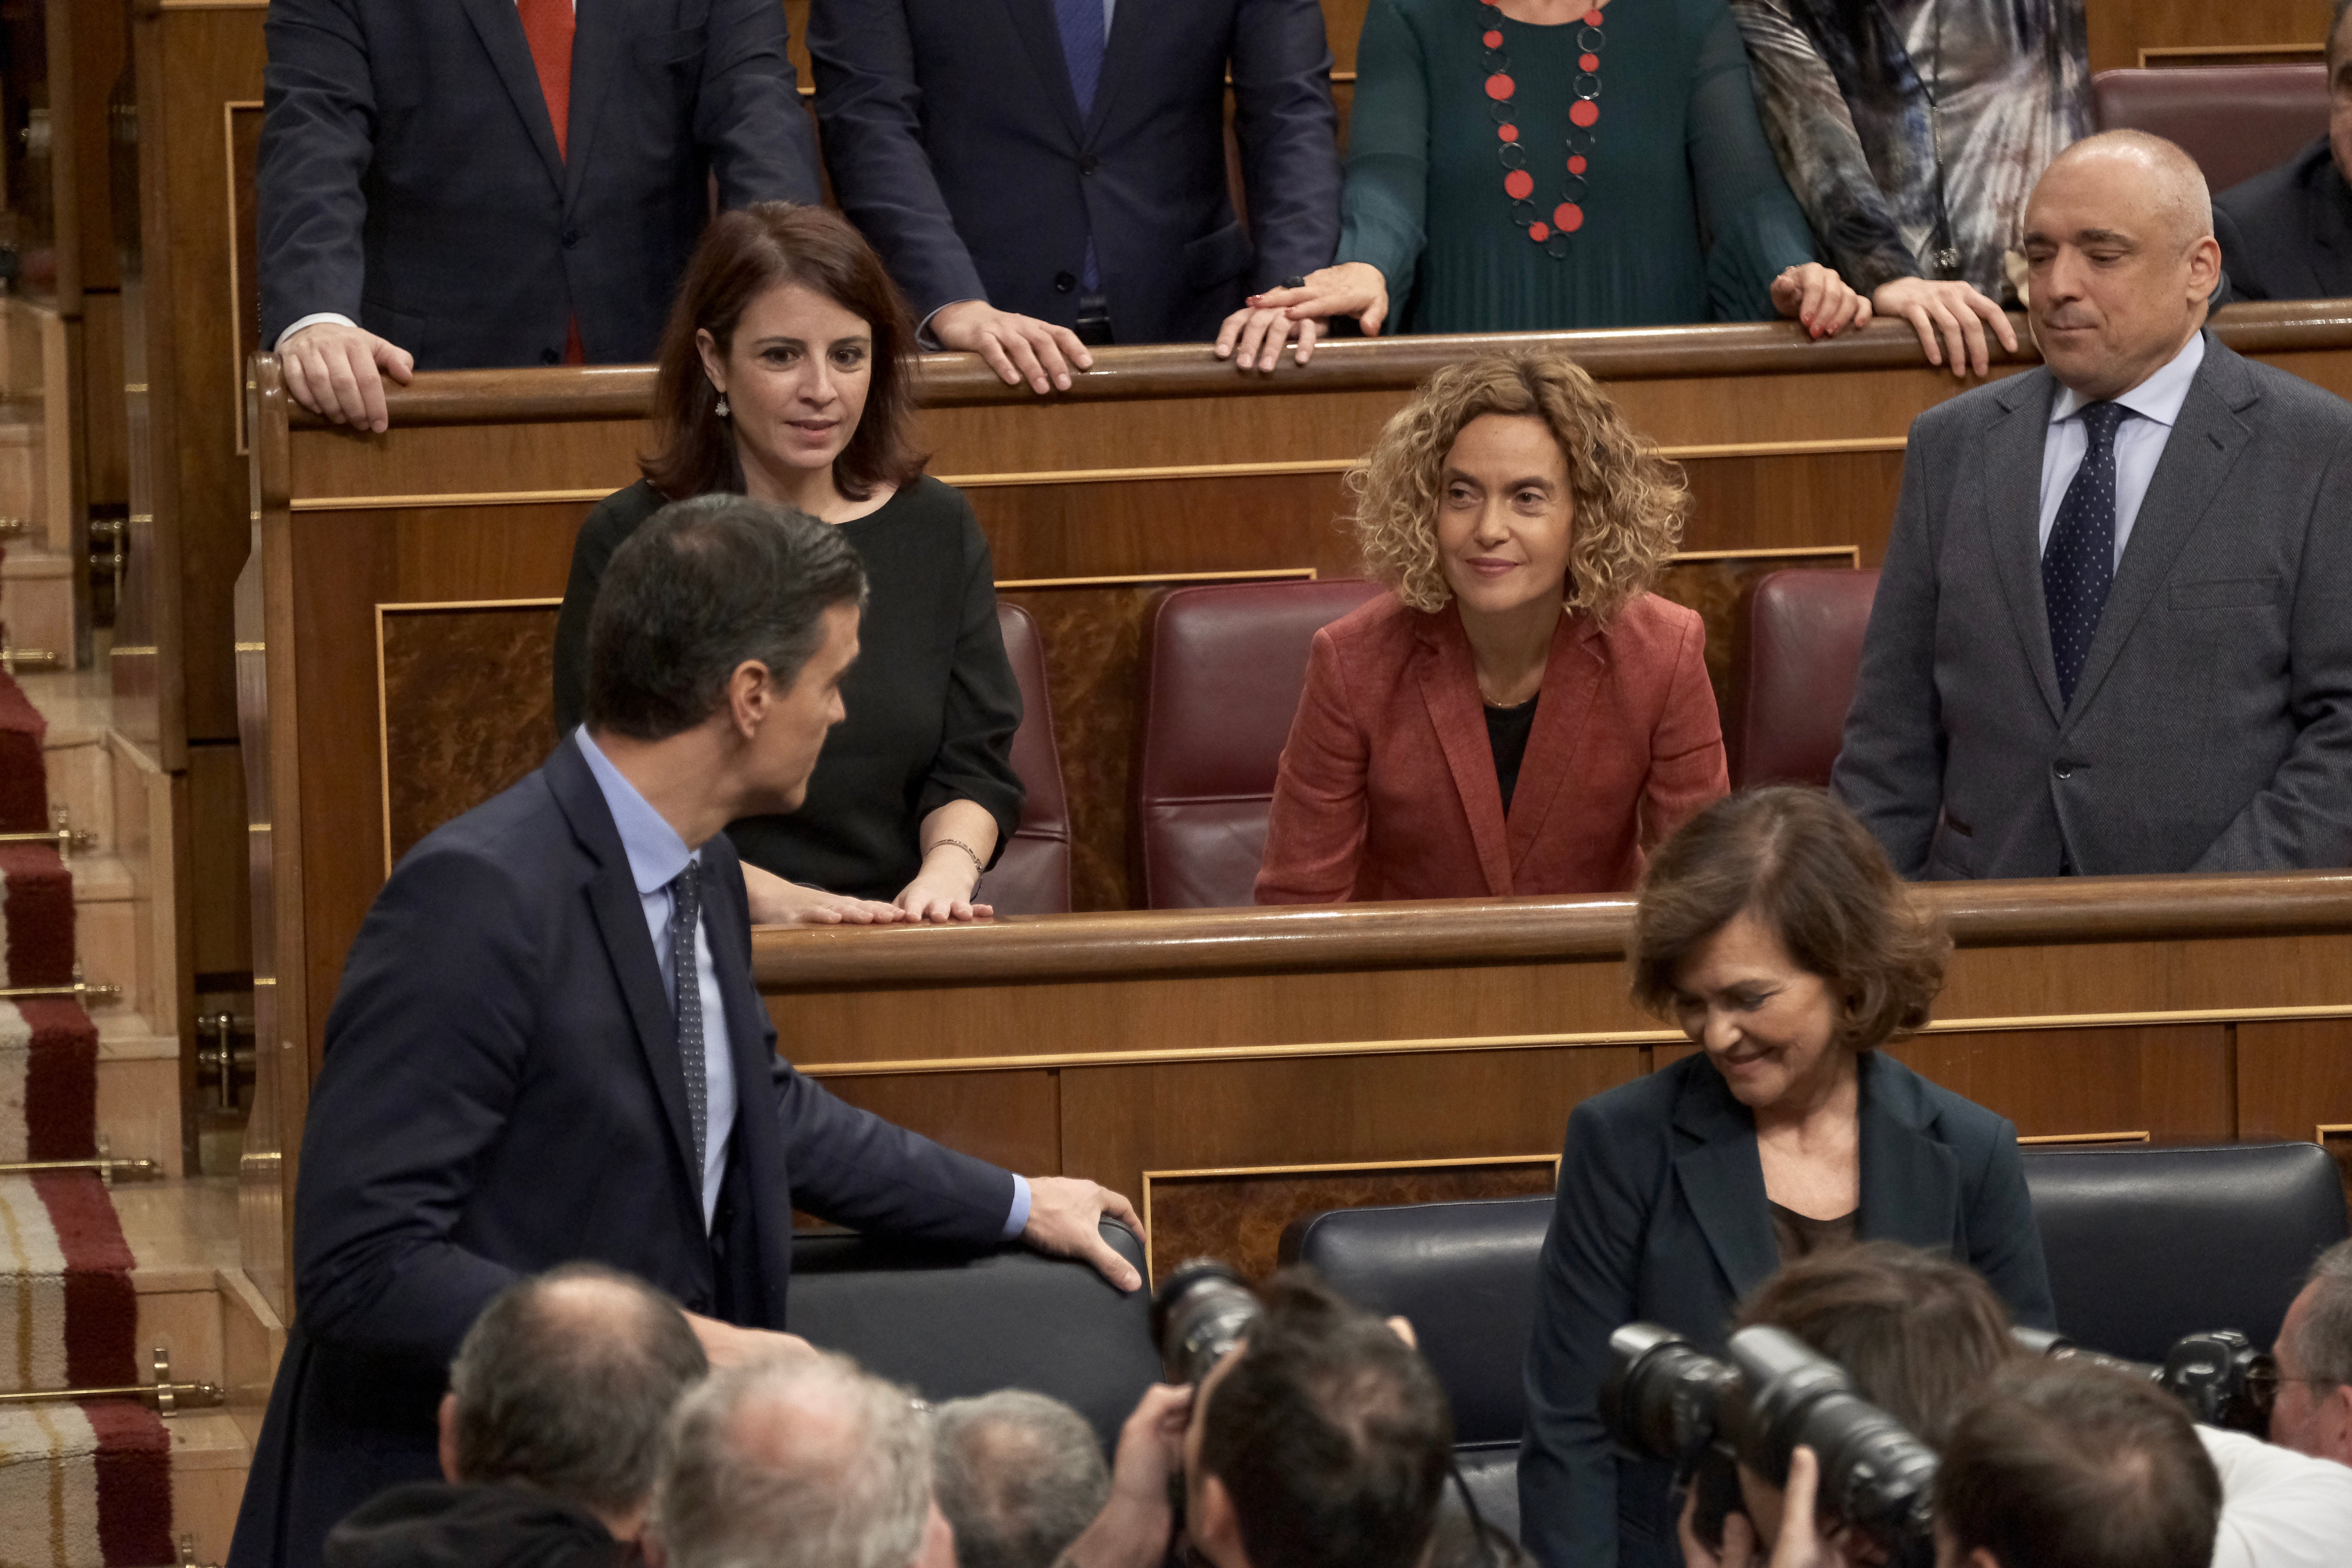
(656, 855)
(2138, 442)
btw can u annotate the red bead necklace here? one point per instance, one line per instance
(1551, 229)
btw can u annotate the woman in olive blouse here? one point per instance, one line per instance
(785, 373)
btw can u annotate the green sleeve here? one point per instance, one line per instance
(1381, 212)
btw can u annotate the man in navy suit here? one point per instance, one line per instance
(1040, 175)
(547, 1045)
(449, 184)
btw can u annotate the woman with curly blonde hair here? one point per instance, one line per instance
(1519, 715)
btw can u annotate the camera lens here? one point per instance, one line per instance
(1199, 1313)
(1873, 1474)
(1662, 1394)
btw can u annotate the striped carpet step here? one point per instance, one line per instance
(82, 1485)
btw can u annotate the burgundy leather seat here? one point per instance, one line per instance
(1222, 671)
(1793, 676)
(2235, 121)
(1033, 876)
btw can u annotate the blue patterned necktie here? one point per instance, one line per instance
(1081, 26)
(685, 921)
(2078, 565)
(1080, 23)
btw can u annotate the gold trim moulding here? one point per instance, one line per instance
(452, 498)
(1343, 1167)
(1091, 476)
(415, 606)
(1277, 573)
(1441, 1043)
(2084, 1138)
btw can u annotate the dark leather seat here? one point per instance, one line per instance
(1223, 669)
(1792, 675)
(1464, 1274)
(950, 1322)
(2235, 121)
(2146, 1244)
(1033, 876)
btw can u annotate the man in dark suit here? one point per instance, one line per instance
(448, 183)
(2114, 633)
(1043, 174)
(548, 1046)
(2286, 234)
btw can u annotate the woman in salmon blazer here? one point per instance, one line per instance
(1519, 715)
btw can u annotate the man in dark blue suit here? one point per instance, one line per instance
(449, 184)
(547, 1045)
(1043, 174)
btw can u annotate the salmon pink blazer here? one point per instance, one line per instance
(1387, 787)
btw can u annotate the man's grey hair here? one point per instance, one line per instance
(565, 1382)
(1019, 1476)
(803, 1461)
(2323, 1343)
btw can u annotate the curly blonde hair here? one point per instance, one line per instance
(1630, 502)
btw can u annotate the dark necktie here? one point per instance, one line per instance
(2078, 565)
(685, 921)
(1080, 23)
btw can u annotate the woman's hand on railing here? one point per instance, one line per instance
(1950, 311)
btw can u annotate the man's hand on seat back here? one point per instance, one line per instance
(1065, 1215)
(336, 371)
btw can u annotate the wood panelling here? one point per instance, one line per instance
(1013, 1119)
(477, 490)
(468, 708)
(2120, 29)
(2168, 1080)
(1120, 1121)
(1239, 1215)
(2293, 1076)
(220, 891)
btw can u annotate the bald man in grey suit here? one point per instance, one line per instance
(2114, 633)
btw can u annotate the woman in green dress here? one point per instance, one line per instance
(1552, 164)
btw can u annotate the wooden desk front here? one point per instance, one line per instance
(1239, 1068)
(396, 616)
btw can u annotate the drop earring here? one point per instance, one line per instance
(721, 409)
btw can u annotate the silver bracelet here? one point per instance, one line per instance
(979, 866)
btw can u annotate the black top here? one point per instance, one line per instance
(2286, 234)
(933, 702)
(1800, 1236)
(1507, 730)
(430, 1524)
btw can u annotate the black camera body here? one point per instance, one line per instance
(2220, 1376)
(1665, 1399)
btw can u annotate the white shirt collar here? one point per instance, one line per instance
(2158, 398)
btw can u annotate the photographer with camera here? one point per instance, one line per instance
(2314, 1414)
(1925, 1338)
(1306, 1434)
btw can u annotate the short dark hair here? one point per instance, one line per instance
(1806, 869)
(699, 588)
(1331, 1433)
(1018, 1474)
(743, 255)
(2336, 25)
(2065, 1465)
(567, 1397)
(1920, 1335)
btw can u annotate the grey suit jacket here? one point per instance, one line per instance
(2211, 727)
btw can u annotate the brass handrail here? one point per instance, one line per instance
(81, 991)
(169, 1397)
(60, 832)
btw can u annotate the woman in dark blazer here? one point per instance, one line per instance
(1772, 930)
(1521, 715)
(787, 374)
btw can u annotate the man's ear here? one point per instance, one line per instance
(449, 1440)
(1215, 1527)
(750, 695)
(2204, 267)
(2335, 1425)
(649, 1546)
